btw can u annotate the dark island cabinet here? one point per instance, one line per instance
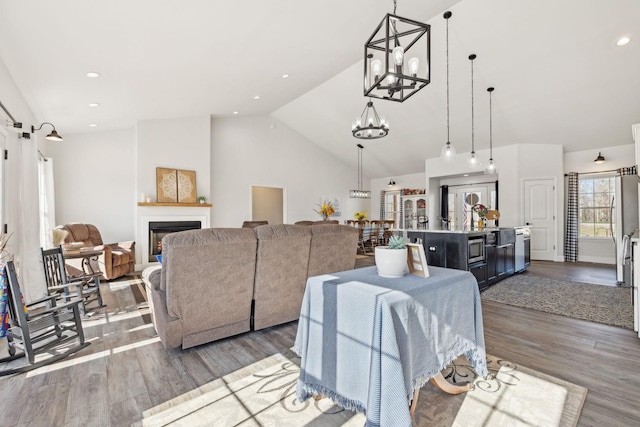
(479, 270)
(451, 250)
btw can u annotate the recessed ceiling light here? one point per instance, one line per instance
(94, 104)
(256, 97)
(284, 76)
(466, 174)
(235, 112)
(93, 74)
(623, 41)
(92, 125)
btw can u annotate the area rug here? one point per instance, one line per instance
(263, 394)
(596, 303)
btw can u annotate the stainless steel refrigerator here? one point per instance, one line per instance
(624, 210)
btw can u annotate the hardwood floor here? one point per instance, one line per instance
(126, 370)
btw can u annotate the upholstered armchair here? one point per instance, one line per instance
(116, 260)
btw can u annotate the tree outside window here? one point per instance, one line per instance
(594, 206)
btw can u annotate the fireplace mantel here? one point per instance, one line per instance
(177, 205)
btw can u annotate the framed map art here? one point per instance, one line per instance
(175, 186)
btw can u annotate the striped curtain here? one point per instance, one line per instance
(571, 230)
(629, 170)
(383, 201)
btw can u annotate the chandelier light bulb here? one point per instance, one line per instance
(391, 79)
(376, 68)
(398, 55)
(414, 65)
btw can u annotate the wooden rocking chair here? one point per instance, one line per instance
(50, 329)
(86, 287)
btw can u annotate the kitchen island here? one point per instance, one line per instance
(489, 254)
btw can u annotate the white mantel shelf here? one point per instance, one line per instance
(180, 205)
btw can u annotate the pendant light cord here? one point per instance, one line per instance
(490, 125)
(448, 135)
(472, 57)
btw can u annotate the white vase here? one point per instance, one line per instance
(391, 263)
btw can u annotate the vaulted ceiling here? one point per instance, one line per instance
(558, 74)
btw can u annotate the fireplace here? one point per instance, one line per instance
(159, 229)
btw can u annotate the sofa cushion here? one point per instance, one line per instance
(333, 249)
(281, 273)
(208, 277)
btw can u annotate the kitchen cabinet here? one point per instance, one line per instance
(492, 264)
(479, 270)
(414, 208)
(505, 260)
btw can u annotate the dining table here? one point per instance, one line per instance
(369, 343)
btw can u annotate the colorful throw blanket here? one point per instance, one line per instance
(4, 302)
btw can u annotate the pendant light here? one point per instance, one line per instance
(448, 152)
(359, 193)
(474, 161)
(391, 72)
(491, 167)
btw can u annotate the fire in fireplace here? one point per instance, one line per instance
(159, 229)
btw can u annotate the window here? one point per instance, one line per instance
(594, 206)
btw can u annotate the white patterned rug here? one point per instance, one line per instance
(263, 394)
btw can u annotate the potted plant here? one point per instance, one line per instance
(202, 199)
(391, 260)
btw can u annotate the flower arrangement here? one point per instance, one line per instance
(360, 215)
(481, 210)
(326, 210)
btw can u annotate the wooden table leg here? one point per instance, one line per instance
(443, 385)
(447, 387)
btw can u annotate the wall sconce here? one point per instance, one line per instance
(392, 182)
(599, 159)
(53, 136)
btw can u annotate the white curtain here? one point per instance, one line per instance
(26, 222)
(47, 200)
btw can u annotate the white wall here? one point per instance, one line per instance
(262, 151)
(94, 177)
(183, 143)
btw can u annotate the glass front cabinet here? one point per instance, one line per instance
(414, 212)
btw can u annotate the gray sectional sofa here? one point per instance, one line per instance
(218, 282)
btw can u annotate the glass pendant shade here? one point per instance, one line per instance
(474, 160)
(491, 167)
(448, 152)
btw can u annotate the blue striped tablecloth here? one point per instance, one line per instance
(367, 342)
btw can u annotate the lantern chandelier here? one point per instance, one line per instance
(369, 125)
(387, 72)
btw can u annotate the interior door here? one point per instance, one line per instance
(540, 215)
(267, 203)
